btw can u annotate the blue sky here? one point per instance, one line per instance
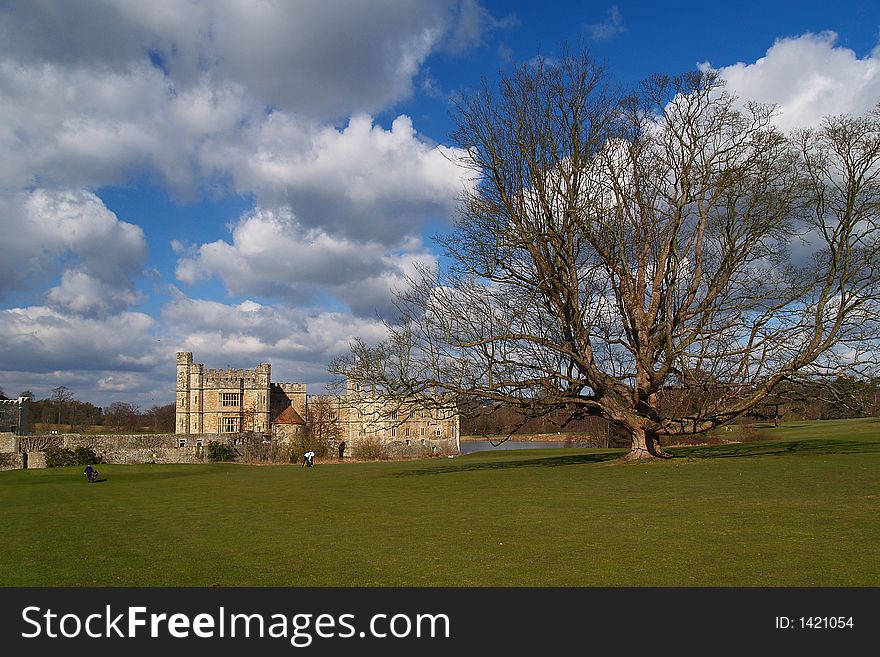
(250, 180)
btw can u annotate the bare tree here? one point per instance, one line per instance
(61, 396)
(123, 415)
(162, 418)
(323, 423)
(619, 252)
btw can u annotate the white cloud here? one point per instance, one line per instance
(608, 28)
(327, 59)
(42, 339)
(85, 295)
(298, 341)
(473, 22)
(273, 255)
(71, 233)
(84, 127)
(808, 77)
(362, 181)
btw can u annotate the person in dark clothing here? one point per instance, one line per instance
(341, 449)
(90, 473)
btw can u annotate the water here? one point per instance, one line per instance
(470, 446)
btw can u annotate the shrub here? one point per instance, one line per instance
(370, 449)
(59, 457)
(85, 455)
(220, 452)
(750, 433)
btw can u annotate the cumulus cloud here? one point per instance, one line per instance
(808, 77)
(362, 181)
(42, 339)
(298, 341)
(71, 233)
(84, 294)
(327, 58)
(85, 127)
(273, 255)
(112, 125)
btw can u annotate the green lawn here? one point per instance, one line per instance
(803, 510)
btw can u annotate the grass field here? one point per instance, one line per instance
(803, 510)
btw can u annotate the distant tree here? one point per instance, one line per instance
(161, 418)
(60, 397)
(616, 247)
(123, 415)
(27, 394)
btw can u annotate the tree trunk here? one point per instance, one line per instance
(645, 445)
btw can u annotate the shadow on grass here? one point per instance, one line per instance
(777, 448)
(732, 450)
(506, 464)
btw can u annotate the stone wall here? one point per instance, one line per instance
(137, 448)
(193, 448)
(8, 442)
(9, 457)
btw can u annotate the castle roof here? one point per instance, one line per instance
(288, 416)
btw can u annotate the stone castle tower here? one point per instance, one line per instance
(230, 400)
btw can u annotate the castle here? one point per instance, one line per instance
(233, 401)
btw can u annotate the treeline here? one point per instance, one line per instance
(836, 399)
(61, 411)
(839, 399)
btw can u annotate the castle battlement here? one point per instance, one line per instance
(290, 387)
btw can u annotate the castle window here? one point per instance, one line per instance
(423, 441)
(230, 425)
(393, 415)
(393, 432)
(406, 432)
(331, 415)
(230, 398)
(421, 431)
(181, 442)
(439, 432)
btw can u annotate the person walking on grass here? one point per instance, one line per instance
(90, 473)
